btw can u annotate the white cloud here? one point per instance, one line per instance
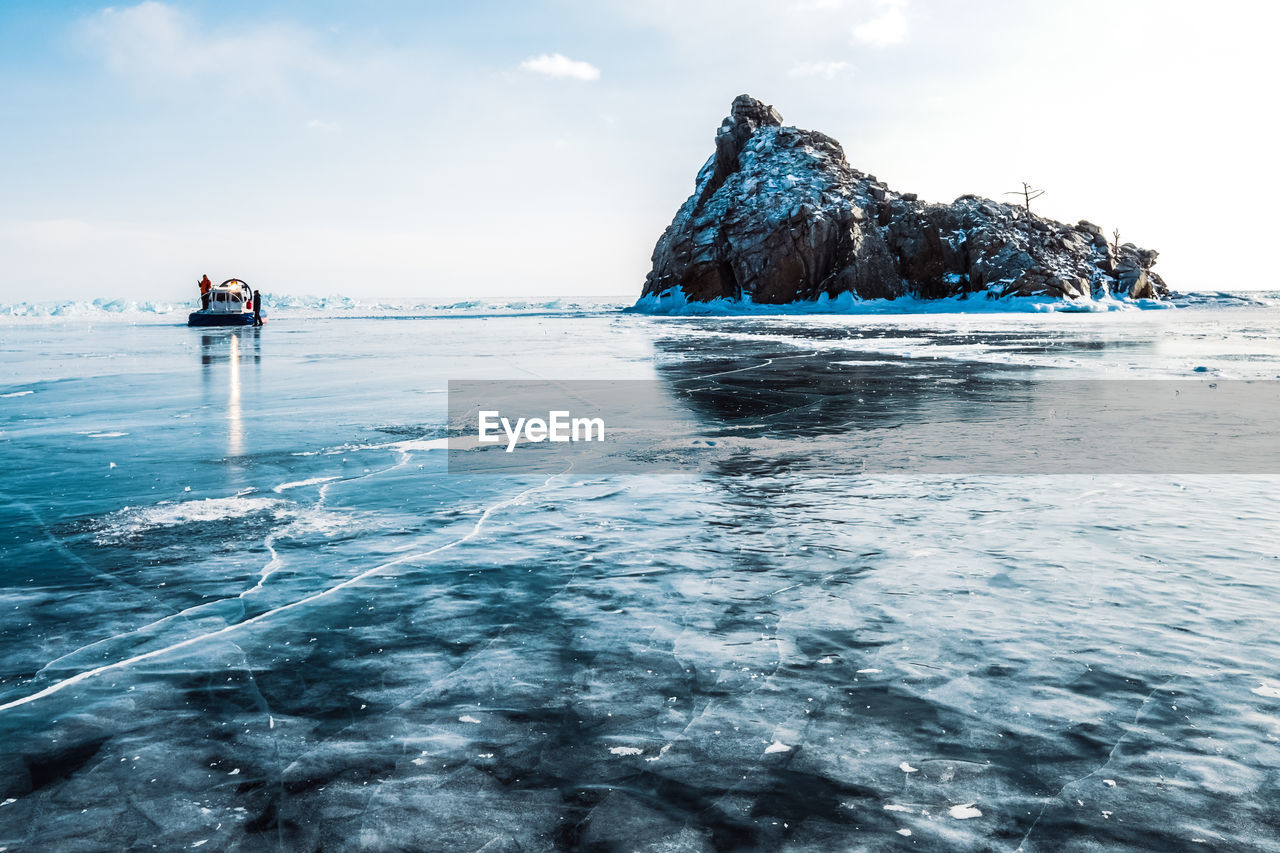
(327, 126)
(829, 70)
(887, 28)
(559, 65)
(158, 43)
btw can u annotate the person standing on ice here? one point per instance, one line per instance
(205, 284)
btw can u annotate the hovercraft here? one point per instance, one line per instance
(228, 304)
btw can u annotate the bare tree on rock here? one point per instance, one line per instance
(1028, 193)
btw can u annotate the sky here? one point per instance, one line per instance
(446, 149)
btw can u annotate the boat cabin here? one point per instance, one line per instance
(230, 297)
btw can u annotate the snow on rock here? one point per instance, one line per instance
(777, 215)
(964, 812)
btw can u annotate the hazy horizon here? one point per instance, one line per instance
(540, 150)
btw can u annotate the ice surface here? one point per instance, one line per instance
(282, 609)
(964, 812)
(675, 303)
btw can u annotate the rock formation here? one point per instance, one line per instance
(778, 215)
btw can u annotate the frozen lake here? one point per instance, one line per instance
(244, 605)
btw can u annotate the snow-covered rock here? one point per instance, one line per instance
(778, 215)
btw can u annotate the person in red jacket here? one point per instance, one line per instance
(205, 284)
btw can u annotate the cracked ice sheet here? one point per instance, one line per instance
(1016, 642)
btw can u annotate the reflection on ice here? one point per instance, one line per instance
(235, 427)
(223, 349)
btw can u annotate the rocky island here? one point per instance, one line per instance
(778, 215)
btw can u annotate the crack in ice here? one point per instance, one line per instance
(475, 531)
